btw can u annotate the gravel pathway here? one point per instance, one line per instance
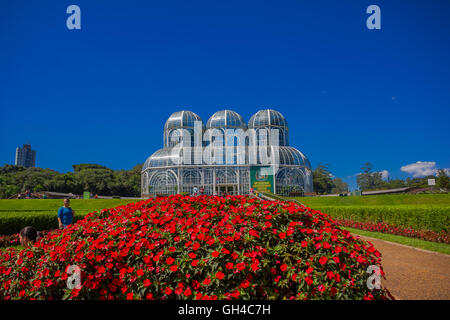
(413, 274)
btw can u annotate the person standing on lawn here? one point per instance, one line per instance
(65, 215)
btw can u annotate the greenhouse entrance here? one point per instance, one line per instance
(226, 189)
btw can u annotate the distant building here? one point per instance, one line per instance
(25, 157)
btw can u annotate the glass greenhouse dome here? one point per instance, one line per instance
(227, 156)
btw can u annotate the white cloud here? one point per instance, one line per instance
(420, 168)
(384, 174)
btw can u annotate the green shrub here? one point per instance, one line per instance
(419, 218)
(378, 200)
(13, 222)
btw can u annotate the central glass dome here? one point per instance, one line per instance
(226, 119)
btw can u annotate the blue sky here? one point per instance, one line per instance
(351, 95)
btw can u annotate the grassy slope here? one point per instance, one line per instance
(413, 242)
(432, 200)
(52, 205)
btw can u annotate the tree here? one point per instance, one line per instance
(443, 181)
(369, 180)
(322, 181)
(339, 186)
(86, 177)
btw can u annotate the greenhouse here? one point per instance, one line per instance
(226, 156)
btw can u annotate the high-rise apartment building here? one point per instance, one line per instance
(25, 157)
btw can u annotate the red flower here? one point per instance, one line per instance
(220, 275)
(240, 266)
(283, 267)
(187, 292)
(282, 235)
(245, 284)
(174, 268)
(37, 283)
(309, 280)
(323, 260)
(170, 260)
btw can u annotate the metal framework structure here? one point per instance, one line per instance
(226, 167)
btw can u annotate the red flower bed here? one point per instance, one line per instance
(196, 248)
(14, 240)
(9, 240)
(406, 232)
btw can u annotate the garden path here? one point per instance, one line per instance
(412, 273)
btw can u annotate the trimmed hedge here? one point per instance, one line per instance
(419, 218)
(13, 222)
(416, 217)
(378, 200)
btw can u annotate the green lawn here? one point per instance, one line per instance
(429, 200)
(41, 214)
(420, 212)
(52, 205)
(413, 242)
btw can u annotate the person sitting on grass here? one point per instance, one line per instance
(28, 236)
(65, 215)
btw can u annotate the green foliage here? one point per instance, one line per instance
(41, 214)
(323, 183)
(339, 186)
(13, 222)
(419, 218)
(429, 200)
(369, 180)
(86, 177)
(414, 242)
(84, 166)
(443, 181)
(420, 212)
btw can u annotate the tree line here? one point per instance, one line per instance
(94, 178)
(101, 180)
(368, 180)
